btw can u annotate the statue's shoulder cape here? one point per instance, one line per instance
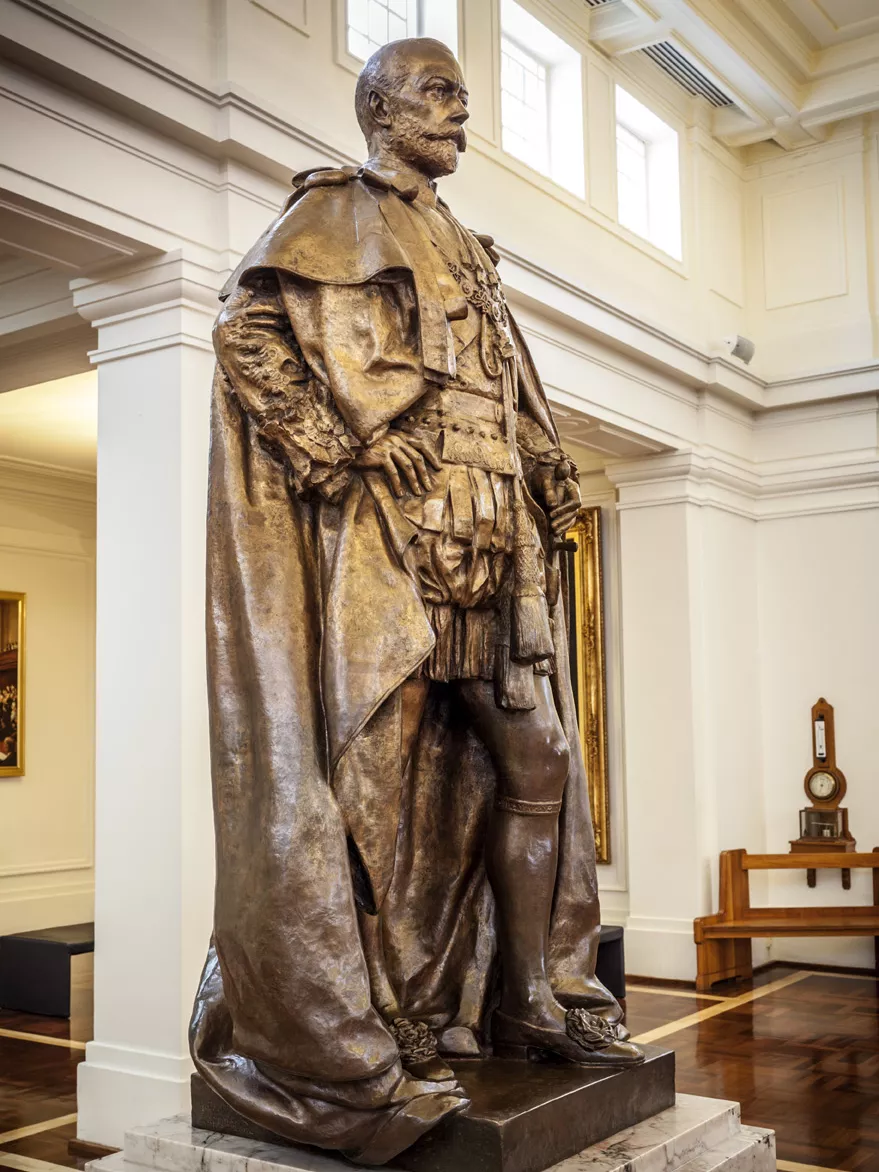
(346, 226)
(331, 230)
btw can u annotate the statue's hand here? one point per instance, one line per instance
(560, 498)
(401, 456)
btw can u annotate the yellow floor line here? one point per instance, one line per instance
(729, 1003)
(674, 992)
(793, 1166)
(29, 1164)
(67, 1043)
(6, 1137)
(842, 977)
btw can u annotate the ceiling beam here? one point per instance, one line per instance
(623, 26)
(783, 85)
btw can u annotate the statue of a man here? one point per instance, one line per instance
(405, 861)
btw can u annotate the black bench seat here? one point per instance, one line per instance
(611, 966)
(35, 968)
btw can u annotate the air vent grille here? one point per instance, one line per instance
(596, 3)
(687, 76)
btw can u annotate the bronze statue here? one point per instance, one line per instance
(405, 860)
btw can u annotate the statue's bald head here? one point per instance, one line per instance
(411, 97)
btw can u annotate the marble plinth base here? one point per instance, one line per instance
(695, 1135)
(523, 1116)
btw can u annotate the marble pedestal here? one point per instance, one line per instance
(695, 1135)
(523, 1116)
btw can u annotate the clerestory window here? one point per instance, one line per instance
(648, 174)
(524, 105)
(372, 23)
(541, 98)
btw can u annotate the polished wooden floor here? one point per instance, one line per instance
(38, 1061)
(799, 1050)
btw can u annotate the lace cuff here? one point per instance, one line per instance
(295, 414)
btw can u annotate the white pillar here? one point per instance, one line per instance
(154, 837)
(691, 696)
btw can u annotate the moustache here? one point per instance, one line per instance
(457, 136)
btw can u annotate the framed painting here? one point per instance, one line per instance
(12, 626)
(586, 626)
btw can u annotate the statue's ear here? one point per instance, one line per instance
(379, 108)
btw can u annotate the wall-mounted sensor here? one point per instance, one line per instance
(740, 347)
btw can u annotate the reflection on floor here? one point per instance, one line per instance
(38, 1079)
(798, 1050)
(801, 1056)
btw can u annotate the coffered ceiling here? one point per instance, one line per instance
(830, 22)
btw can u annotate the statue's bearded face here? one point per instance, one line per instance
(426, 116)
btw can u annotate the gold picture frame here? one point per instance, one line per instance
(588, 667)
(12, 671)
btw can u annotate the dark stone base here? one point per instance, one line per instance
(523, 1117)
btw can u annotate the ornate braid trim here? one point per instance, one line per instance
(520, 806)
(414, 1039)
(588, 1030)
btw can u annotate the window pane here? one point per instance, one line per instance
(397, 28)
(524, 110)
(357, 18)
(632, 181)
(372, 23)
(378, 22)
(648, 174)
(437, 19)
(358, 45)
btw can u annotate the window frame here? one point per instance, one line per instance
(412, 9)
(484, 131)
(542, 111)
(564, 61)
(663, 153)
(354, 64)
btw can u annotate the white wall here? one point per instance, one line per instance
(47, 550)
(812, 260)
(819, 634)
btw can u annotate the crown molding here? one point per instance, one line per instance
(766, 492)
(225, 120)
(68, 488)
(587, 314)
(130, 290)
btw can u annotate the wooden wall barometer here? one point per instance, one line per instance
(824, 824)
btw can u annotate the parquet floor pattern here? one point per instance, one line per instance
(801, 1058)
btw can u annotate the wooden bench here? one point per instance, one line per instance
(35, 968)
(723, 940)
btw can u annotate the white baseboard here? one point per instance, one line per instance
(660, 948)
(118, 1089)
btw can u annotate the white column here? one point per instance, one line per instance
(154, 837)
(691, 697)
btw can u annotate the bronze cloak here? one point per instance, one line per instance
(343, 887)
